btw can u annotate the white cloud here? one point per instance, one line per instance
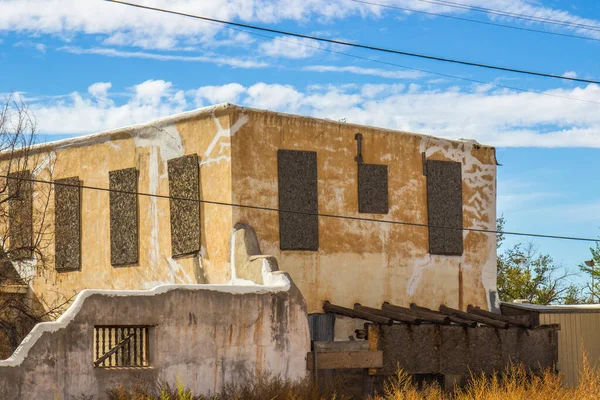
(408, 74)
(229, 93)
(40, 47)
(497, 117)
(570, 74)
(151, 92)
(231, 61)
(123, 25)
(99, 89)
(274, 96)
(290, 47)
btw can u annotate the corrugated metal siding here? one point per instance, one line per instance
(579, 333)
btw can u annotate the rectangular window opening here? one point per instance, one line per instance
(124, 238)
(67, 224)
(184, 183)
(297, 176)
(372, 189)
(121, 346)
(20, 215)
(444, 207)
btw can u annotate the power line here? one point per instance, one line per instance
(512, 15)
(474, 20)
(358, 45)
(278, 210)
(406, 67)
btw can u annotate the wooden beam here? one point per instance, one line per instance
(341, 346)
(346, 360)
(453, 318)
(14, 289)
(498, 317)
(422, 315)
(398, 316)
(348, 312)
(476, 318)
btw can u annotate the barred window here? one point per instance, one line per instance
(121, 346)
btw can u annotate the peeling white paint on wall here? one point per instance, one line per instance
(222, 133)
(482, 204)
(177, 273)
(154, 248)
(419, 265)
(165, 138)
(114, 145)
(47, 162)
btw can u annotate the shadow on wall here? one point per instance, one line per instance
(204, 335)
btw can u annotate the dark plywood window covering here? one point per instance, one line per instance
(372, 188)
(184, 183)
(444, 207)
(124, 246)
(67, 224)
(20, 214)
(298, 192)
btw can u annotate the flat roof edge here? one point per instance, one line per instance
(555, 309)
(131, 129)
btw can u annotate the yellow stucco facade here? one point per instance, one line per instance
(357, 261)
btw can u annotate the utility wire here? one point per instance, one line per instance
(278, 210)
(358, 45)
(474, 20)
(404, 66)
(513, 15)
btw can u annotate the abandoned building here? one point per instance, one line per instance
(173, 233)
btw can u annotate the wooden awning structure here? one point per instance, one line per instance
(390, 314)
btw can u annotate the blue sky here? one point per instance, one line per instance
(86, 66)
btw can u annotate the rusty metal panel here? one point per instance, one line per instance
(372, 188)
(124, 237)
(184, 183)
(67, 224)
(20, 214)
(297, 172)
(444, 207)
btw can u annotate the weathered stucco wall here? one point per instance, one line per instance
(369, 262)
(357, 261)
(203, 335)
(147, 148)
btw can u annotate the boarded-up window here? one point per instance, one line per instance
(124, 246)
(67, 224)
(298, 192)
(444, 207)
(372, 188)
(20, 212)
(184, 183)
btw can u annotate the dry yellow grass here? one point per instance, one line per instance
(514, 384)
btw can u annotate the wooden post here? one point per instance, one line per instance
(315, 363)
(373, 337)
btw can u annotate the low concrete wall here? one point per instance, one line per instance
(203, 335)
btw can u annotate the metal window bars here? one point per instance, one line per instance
(121, 346)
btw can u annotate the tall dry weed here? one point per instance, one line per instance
(514, 384)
